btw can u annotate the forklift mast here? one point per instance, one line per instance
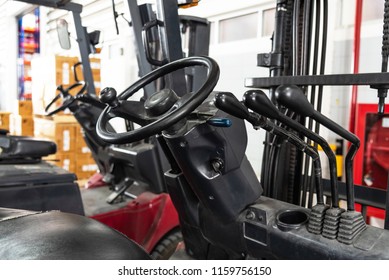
(163, 28)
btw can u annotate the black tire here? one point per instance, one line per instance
(167, 246)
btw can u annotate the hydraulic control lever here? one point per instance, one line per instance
(257, 101)
(227, 102)
(292, 97)
(90, 99)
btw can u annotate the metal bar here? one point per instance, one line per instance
(72, 7)
(83, 46)
(364, 212)
(363, 195)
(383, 92)
(386, 226)
(198, 30)
(137, 26)
(167, 12)
(371, 79)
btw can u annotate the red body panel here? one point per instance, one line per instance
(95, 181)
(145, 220)
(371, 157)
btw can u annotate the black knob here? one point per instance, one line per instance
(109, 96)
(257, 101)
(160, 102)
(293, 97)
(227, 102)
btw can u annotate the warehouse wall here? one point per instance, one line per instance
(8, 53)
(237, 59)
(117, 52)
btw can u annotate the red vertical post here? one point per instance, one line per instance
(357, 45)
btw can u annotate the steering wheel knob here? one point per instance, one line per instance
(109, 96)
(160, 102)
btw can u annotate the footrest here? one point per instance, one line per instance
(351, 224)
(316, 218)
(331, 223)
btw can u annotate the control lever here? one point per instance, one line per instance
(90, 99)
(292, 97)
(257, 101)
(120, 190)
(227, 102)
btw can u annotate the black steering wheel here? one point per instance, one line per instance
(148, 113)
(67, 98)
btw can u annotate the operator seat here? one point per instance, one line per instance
(61, 236)
(22, 149)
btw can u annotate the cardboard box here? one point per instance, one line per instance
(95, 67)
(64, 74)
(21, 125)
(48, 72)
(95, 64)
(60, 130)
(85, 166)
(24, 107)
(4, 120)
(81, 147)
(65, 161)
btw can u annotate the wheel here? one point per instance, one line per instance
(158, 112)
(167, 246)
(67, 98)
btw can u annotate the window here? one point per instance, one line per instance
(212, 33)
(268, 21)
(238, 28)
(373, 10)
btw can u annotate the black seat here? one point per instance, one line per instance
(61, 236)
(24, 149)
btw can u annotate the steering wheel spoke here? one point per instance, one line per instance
(67, 98)
(133, 111)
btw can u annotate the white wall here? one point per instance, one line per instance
(8, 52)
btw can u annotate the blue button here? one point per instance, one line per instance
(220, 122)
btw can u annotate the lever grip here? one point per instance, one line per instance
(227, 102)
(257, 101)
(292, 97)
